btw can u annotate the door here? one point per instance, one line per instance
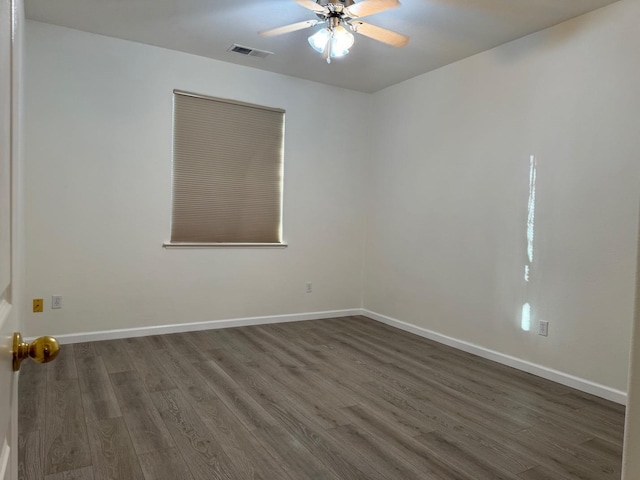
(10, 14)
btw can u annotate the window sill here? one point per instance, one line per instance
(170, 245)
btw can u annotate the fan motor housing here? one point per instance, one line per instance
(335, 8)
(337, 3)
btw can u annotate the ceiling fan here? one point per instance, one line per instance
(339, 19)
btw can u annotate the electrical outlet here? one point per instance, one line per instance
(56, 301)
(37, 305)
(543, 328)
(309, 287)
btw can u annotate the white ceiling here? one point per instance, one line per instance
(441, 31)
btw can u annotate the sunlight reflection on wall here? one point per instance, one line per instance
(525, 321)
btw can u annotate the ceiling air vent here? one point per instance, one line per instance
(252, 52)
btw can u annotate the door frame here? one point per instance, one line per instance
(17, 203)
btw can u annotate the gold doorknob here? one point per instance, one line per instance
(41, 350)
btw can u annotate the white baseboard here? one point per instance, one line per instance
(208, 325)
(539, 370)
(544, 372)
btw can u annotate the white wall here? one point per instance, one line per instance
(449, 189)
(439, 165)
(98, 162)
(630, 459)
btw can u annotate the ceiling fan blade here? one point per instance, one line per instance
(380, 34)
(369, 7)
(311, 5)
(288, 28)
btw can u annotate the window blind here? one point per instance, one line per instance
(227, 171)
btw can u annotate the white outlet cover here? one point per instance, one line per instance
(543, 328)
(56, 301)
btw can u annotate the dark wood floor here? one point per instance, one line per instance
(344, 398)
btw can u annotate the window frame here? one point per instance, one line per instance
(197, 245)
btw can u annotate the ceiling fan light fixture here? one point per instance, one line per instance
(337, 39)
(320, 40)
(341, 41)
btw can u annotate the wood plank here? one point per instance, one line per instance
(85, 473)
(83, 350)
(114, 355)
(248, 336)
(249, 458)
(32, 392)
(66, 445)
(502, 458)
(243, 406)
(543, 473)
(112, 453)
(142, 355)
(243, 449)
(286, 353)
(565, 457)
(31, 455)
(165, 464)
(600, 404)
(181, 372)
(148, 431)
(98, 399)
(181, 344)
(425, 419)
(304, 388)
(297, 418)
(445, 382)
(232, 343)
(156, 342)
(611, 451)
(377, 453)
(198, 446)
(296, 459)
(65, 368)
(469, 462)
(203, 340)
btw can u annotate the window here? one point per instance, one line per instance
(227, 173)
